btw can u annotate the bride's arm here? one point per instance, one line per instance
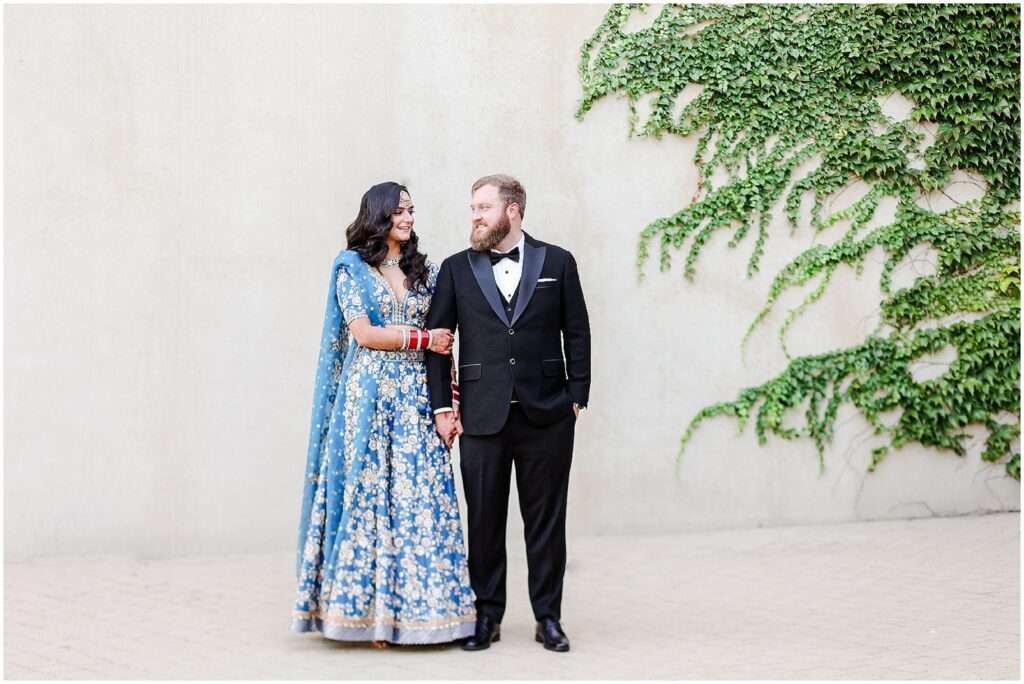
(390, 339)
(379, 337)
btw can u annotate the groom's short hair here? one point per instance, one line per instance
(509, 190)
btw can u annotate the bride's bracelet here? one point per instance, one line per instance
(416, 339)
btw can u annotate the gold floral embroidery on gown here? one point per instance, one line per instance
(381, 548)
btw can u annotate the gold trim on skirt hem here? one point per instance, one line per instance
(341, 621)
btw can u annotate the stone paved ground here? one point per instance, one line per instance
(920, 599)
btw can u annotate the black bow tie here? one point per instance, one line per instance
(498, 256)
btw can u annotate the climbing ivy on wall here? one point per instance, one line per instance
(782, 85)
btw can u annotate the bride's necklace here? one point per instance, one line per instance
(391, 262)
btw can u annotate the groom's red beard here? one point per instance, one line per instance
(491, 236)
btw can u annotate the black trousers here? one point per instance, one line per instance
(542, 456)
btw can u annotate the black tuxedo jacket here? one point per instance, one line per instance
(496, 354)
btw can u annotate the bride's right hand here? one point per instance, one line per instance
(441, 340)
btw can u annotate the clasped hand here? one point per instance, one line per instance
(448, 425)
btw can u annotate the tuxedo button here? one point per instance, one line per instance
(512, 361)
(511, 331)
(508, 308)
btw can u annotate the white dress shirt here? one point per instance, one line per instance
(507, 273)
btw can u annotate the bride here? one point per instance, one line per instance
(381, 556)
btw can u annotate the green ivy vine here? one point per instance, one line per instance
(787, 84)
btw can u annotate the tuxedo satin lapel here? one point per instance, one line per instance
(534, 261)
(484, 273)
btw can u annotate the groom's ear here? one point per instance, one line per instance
(510, 212)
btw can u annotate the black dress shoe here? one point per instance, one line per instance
(550, 633)
(487, 631)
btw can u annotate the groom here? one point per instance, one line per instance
(519, 307)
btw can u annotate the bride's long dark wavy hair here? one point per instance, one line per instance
(368, 234)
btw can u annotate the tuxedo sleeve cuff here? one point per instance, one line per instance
(446, 409)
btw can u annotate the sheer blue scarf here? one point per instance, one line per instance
(327, 425)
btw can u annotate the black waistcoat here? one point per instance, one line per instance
(510, 306)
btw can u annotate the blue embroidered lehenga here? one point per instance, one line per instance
(381, 554)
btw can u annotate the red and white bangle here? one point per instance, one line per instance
(416, 339)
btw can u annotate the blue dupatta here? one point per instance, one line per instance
(327, 425)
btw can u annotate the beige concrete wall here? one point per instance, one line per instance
(178, 180)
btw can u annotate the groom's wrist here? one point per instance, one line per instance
(446, 409)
